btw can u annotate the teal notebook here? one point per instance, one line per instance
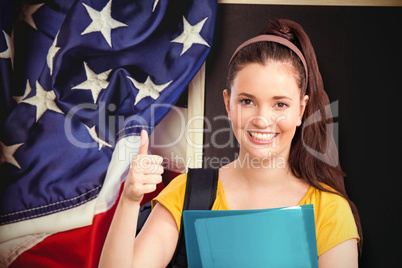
(280, 237)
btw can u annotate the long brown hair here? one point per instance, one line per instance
(313, 153)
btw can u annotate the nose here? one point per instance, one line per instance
(262, 119)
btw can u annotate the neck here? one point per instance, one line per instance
(271, 170)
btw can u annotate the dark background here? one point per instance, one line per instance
(359, 52)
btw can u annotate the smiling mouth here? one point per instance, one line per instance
(262, 136)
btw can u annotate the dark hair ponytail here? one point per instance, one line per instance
(313, 154)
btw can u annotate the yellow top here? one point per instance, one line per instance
(334, 220)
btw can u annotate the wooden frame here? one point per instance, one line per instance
(395, 3)
(196, 96)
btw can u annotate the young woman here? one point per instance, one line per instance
(273, 87)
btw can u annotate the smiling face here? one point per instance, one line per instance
(265, 107)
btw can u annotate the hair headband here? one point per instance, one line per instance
(276, 39)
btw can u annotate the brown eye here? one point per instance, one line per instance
(281, 105)
(246, 101)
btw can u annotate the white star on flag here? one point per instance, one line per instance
(191, 35)
(102, 21)
(28, 89)
(7, 154)
(147, 89)
(95, 82)
(43, 100)
(94, 136)
(9, 52)
(27, 12)
(52, 52)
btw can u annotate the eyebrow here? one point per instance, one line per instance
(282, 97)
(275, 97)
(246, 95)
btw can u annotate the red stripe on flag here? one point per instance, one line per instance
(79, 247)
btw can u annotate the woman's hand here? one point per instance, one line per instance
(118, 250)
(144, 174)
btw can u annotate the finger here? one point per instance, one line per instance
(151, 182)
(142, 162)
(144, 142)
(148, 188)
(148, 159)
(153, 169)
(156, 159)
(152, 179)
(140, 172)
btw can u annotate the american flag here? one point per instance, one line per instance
(79, 80)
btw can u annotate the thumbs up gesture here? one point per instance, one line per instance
(145, 172)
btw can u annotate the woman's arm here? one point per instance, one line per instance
(343, 255)
(119, 244)
(156, 243)
(157, 240)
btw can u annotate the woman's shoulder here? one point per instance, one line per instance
(333, 217)
(172, 197)
(176, 187)
(329, 195)
(327, 204)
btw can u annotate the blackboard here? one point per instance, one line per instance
(359, 52)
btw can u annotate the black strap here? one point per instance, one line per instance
(200, 195)
(143, 215)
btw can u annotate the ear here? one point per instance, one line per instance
(226, 99)
(303, 104)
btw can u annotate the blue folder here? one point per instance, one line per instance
(280, 237)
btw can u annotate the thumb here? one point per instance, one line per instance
(144, 142)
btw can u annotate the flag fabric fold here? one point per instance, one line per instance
(78, 79)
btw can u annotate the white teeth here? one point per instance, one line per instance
(262, 136)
